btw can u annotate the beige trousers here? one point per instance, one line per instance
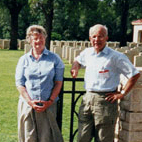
(97, 118)
(37, 127)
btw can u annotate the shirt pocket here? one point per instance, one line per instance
(104, 74)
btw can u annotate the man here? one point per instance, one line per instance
(102, 76)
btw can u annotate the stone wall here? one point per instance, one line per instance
(130, 129)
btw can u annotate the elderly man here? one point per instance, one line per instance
(102, 76)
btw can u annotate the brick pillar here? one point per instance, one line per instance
(131, 115)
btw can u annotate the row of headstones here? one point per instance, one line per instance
(5, 44)
(134, 54)
(70, 49)
(65, 50)
(69, 52)
(87, 44)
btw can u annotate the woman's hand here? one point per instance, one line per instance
(40, 106)
(46, 104)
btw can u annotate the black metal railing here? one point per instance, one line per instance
(74, 101)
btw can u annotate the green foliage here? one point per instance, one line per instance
(25, 19)
(4, 23)
(72, 19)
(28, 17)
(55, 36)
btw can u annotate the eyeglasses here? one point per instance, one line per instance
(36, 37)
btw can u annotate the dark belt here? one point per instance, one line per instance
(103, 91)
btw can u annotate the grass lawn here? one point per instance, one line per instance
(9, 97)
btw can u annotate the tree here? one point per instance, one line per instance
(89, 16)
(72, 18)
(107, 16)
(60, 19)
(27, 18)
(123, 7)
(69, 19)
(4, 23)
(46, 8)
(14, 7)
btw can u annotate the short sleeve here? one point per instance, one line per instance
(126, 67)
(59, 69)
(19, 75)
(81, 58)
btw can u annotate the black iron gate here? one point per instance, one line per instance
(73, 104)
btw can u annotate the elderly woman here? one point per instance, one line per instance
(39, 76)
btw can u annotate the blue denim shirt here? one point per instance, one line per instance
(103, 70)
(38, 76)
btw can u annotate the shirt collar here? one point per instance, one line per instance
(105, 50)
(45, 51)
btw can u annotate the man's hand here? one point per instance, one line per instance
(74, 73)
(75, 68)
(112, 97)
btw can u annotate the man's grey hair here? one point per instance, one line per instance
(93, 28)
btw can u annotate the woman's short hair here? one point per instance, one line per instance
(35, 28)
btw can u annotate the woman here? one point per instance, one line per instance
(39, 76)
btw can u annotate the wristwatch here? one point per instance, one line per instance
(123, 92)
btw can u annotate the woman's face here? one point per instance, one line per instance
(37, 41)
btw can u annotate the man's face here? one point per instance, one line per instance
(37, 40)
(98, 39)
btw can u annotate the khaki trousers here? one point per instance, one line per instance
(37, 127)
(97, 118)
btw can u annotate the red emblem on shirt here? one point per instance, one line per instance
(105, 71)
